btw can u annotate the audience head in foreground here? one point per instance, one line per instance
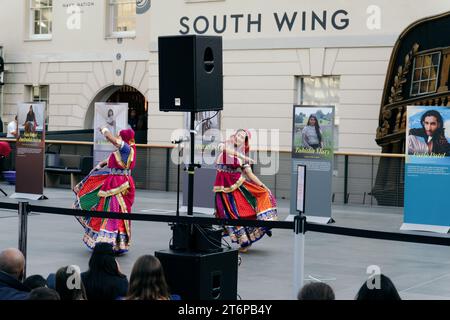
(35, 281)
(104, 280)
(43, 294)
(316, 291)
(378, 287)
(68, 284)
(147, 280)
(12, 264)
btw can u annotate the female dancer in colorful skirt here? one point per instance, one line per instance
(239, 193)
(109, 187)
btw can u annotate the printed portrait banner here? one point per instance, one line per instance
(312, 146)
(427, 169)
(30, 152)
(207, 125)
(115, 117)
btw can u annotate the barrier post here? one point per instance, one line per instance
(345, 179)
(299, 254)
(23, 228)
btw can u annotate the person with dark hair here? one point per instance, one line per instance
(147, 280)
(311, 134)
(69, 285)
(35, 281)
(430, 139)
(239, 194)
(379, 289)
(43, 294)
(109, 187)
(104, 280)
(12, 264)
(316, 291)
(111, 122)
(30, 123)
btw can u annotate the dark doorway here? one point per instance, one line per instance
(137, 110)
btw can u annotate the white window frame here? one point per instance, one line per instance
(32, 35)
(118, 34)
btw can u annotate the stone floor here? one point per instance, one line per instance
(266, 272)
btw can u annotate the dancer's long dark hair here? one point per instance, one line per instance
(147, 280)
(316, 126)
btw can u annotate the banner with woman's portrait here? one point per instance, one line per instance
(312, 147)
(31, 121)
(207, 126)
(30, 152)
(113, 116)
(313, 132)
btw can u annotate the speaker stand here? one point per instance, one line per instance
(191, 168)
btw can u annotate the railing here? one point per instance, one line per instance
(368, 179)
(371, 179)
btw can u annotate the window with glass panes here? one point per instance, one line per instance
(41, 17)
(321, 91)
(123, 16)
(425, 73)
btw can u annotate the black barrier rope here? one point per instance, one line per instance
(329, 229)
(380, 235)
(9, 206)
(162, 218)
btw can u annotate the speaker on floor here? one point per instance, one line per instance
(201, 276)
(190, 73)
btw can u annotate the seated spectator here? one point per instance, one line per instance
(43, 294)
(103, 280)
(316, 291)
(69, 285)
(147, 281)
(386, 291)
(35, 281)
(12, 264)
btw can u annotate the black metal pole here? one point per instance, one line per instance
(178, 178)
(191, 169)
(23, 228)
(167, 169)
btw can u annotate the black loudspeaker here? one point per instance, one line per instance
(196, 238)
(201, 276)
(190, 73)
